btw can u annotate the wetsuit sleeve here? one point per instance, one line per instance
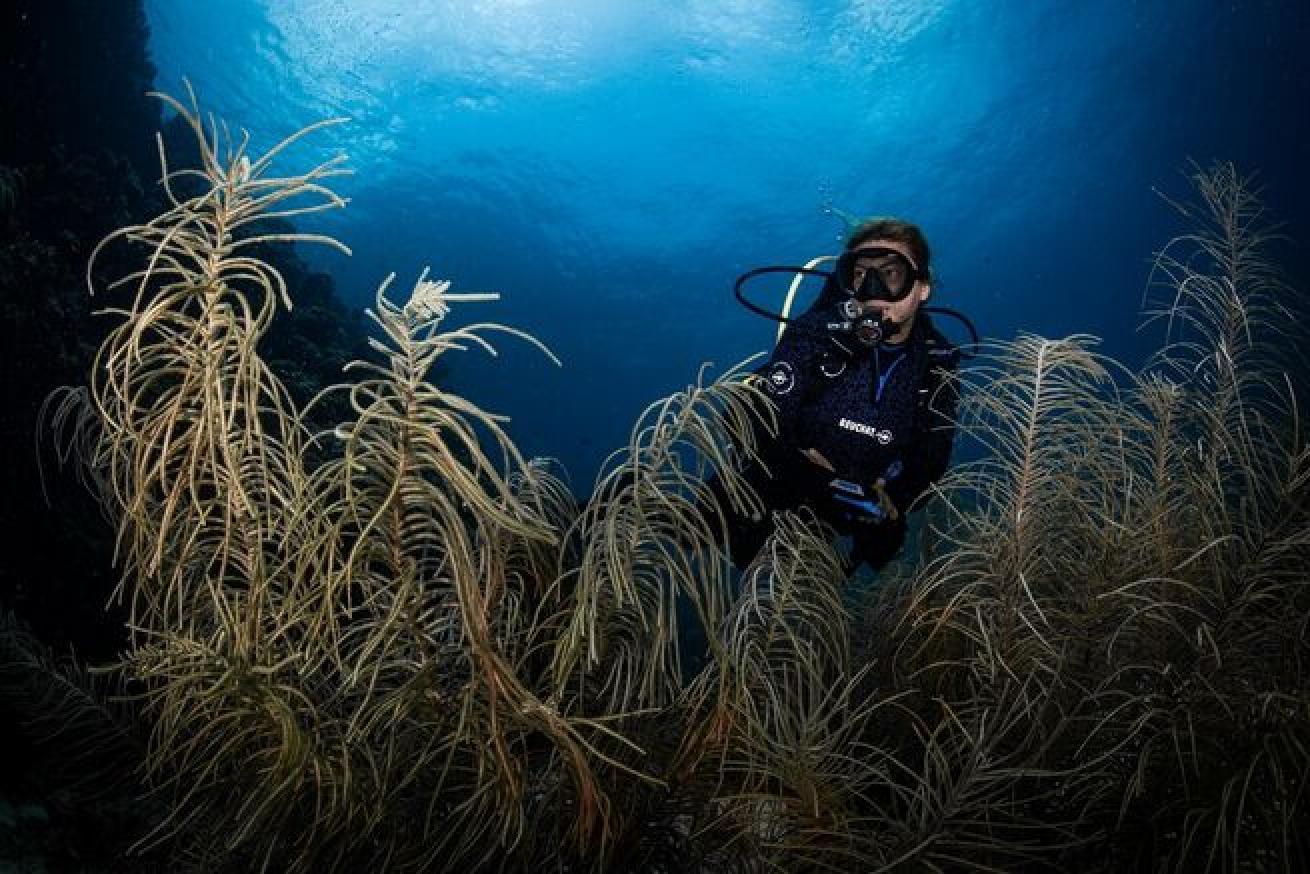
(929, 457)
(788, 373)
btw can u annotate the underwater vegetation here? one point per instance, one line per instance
(394, 643)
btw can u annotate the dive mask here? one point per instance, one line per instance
(876, 273)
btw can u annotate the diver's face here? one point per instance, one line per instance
(901, 311)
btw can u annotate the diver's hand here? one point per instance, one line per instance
(855, 503)
(817, 457)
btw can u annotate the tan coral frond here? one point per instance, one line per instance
(648, 538)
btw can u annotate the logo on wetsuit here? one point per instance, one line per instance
(882, 435)
(781, 378)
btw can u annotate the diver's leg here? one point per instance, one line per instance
(744, 534)
(877, 545)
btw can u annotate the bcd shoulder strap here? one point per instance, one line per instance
(938, 360)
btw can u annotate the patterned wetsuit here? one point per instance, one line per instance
(882, 414)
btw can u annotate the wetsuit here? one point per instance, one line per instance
(882, 414)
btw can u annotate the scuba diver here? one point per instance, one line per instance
(865, 396)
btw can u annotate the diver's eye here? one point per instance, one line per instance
(861, 270)
(893, 274)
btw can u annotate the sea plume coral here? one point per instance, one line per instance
(648, 538)
(331, 651)
(1128, 558)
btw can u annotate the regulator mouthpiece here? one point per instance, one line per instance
(867, 329)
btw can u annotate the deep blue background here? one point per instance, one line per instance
(611, 166)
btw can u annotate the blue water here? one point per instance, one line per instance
(610, 167)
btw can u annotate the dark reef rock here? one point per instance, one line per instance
(76, 76)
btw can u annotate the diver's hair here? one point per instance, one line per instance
(898, 231)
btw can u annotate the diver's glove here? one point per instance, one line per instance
(868, 507)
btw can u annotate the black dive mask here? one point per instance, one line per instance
(876, 273)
